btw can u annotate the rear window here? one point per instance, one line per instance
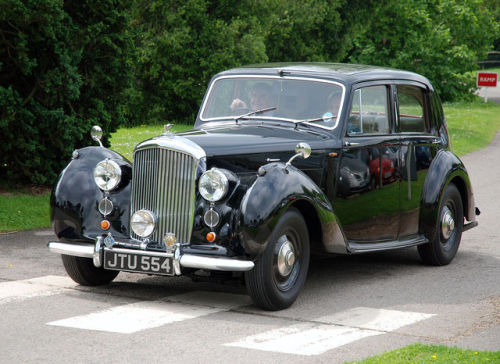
(411, 104)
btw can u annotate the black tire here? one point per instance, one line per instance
(269, 287)
(442, 248)
(84, 272)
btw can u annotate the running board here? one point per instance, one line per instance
(356, 247)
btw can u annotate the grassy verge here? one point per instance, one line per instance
(471, 126)
(23, 209)
(418, 353)
(494, 69)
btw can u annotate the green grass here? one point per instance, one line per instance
(124, 140)
(495, 69)
(472, 126)
(23, 211)
(418, 353)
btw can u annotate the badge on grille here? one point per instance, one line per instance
(169, 240)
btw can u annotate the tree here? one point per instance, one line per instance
(441, 39)
(181, 44)
(62, 69)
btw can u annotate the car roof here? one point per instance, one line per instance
(346, 72)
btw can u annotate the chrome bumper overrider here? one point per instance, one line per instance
(95, 252)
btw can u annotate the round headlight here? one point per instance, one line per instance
(213, 185)
(143, 223)
(107, 174)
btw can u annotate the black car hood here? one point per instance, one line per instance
(250, 139)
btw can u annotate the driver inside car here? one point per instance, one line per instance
(260, 98)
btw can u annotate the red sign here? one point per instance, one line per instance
(487, 79)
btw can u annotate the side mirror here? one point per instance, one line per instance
(301, 150)
(96, 134)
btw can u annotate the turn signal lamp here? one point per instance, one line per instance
(210, 237)
(105, 224)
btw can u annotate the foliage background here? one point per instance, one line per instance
(64, 66)
(67, 65)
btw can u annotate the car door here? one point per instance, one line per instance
(419, 145)
(368, 181)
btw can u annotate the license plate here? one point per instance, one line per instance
(141, 263)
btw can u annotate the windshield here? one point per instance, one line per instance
(303, 100)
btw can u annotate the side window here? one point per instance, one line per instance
(437, 110)
(368, 113)
(411, 109)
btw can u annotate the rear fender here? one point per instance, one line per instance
(445, 168)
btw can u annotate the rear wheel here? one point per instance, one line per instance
(84, 272)
(448, 232)
(278, 276)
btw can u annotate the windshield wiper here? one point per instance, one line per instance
(260, 111)
(324, 118)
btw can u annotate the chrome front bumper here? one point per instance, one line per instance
(95, 252)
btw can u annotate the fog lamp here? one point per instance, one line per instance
(143, 223)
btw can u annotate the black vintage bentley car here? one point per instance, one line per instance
(285, 160)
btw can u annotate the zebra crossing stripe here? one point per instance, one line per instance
(36, 287)
(139, 316)
(330, 332)
(374, 318)
(304, 339)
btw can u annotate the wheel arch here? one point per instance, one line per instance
(446, 168)
(313, 223)
(272, 194)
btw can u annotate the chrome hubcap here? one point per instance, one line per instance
(286, 258)
(447, 223)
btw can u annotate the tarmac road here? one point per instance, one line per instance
(351, 307)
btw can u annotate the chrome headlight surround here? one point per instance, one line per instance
(107, 175)
(213, 185)
(143, 223)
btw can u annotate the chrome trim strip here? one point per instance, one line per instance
(139, 252)
(77, 250)
(224, 264)
(312, 79)
(186, 260)
(356, 247)
(176, 143)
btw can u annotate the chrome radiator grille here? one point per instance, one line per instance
(163, 181)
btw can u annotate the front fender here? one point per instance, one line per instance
(75, 198)
(446, 167)
(273, 192)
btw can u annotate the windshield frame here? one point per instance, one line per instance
(230, 118)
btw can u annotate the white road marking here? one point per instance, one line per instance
(374, 318)
(329, 332)
(139, 316)
(44, 233)
(36, 287)
(304, 339)
(135, 317)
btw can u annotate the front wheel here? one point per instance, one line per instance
(84, 272)
(448, 232)
(278, 276)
